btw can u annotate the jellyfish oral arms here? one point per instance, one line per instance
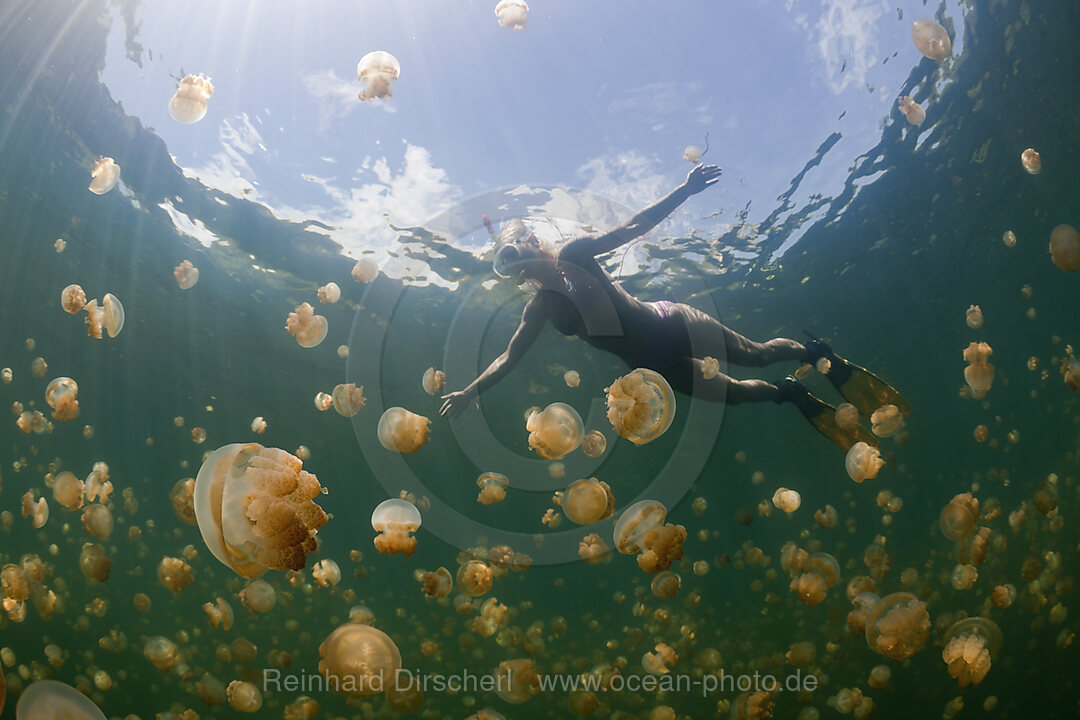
(377, 70)
(641, 529)
(395, 520)
(308, 328)
(188, 104)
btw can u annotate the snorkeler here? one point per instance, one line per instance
(580, 298)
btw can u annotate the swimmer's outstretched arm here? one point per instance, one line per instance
(701, 177)
(532, 322)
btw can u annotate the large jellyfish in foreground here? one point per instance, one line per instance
(641, 529)
(255, 508)
(395, 520)
(1065, 247)
(188, 105)
(931, 39)
(402, 431)
(554, 431)
(377, 70)
(359, 660)
(512, 14)
(979, 373)
(970, 645)
(641, 405)
(897, 625)
(104, 176)
(48, 699)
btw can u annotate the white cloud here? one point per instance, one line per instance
(627, 178)
(334, 97)
(228, 170)
(656, 102)
(847, 41)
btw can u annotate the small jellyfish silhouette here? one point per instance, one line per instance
(308, 328)
(365, 270)
(377, 70)
(259, 425)
(72, 299)
(554, 431)
(402, 431)
(979, 373)
(329, 293)
(974, 317)
(970, 646)
(113, 319)
(572, 378)
(787, 500)
(255, 508)
(492, 488)
(594, 443)
(395, 520)
(1065, 247)
(62, 396)
(188, 104)
(692, 154)
(347, 399)
(512, 14)
(1009, 238)
(710, 367)
(847, 416)
(931, 39)
(886, 421)
(53, 699)
(912, 110)
(641, 405)
(104, 176)
(186, 275)
(1032, 161)
(433, 380)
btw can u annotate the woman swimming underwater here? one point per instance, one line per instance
(580, 298)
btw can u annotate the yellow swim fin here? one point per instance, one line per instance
(822, 415)
(860, 387)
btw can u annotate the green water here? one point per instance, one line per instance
(885, 273)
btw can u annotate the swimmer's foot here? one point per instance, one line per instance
(821, 414)
(860, 387)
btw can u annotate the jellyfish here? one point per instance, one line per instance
(594, 443)
(308, 328)
(51, 699)
(964, 576)
(786, 500)
(98, 521)
(329, 293)
(359, 660)
(258, 597)
(255, 508)
(175, 574)
(348, 399)
(377, 70)
(72, 299)
(710, 368)
(912, 110)
(897, 625)
(68, 490)
(324, 401)
(243, 696)
(517, 680)
(6, 375)
(438, 583)
(61, 395)
(188, 105)
(94, 563)
(326, 573)
(554, 431)
(801, 654)
(660, 661)
(512, 14)
(433, 380)
(587, 501)
(1065, 247)
(641, 529)
(692, 155)
(572, 378)
(258, 425)
(492, 488)
(474, 578)
(974, 317)
(666, 584)
(641, 405)
(979, 373)
(365, 270)
(886, 421)
(160, 651)
(395, 520)
(36, 510)
(103, 176)
(1031, 161)
(186, 275)
(219, 614)
(813, 576)
(1046, 498)
(402, 431)
(1070, 369)
(95, 319)
(98, 487)
(931, 39)
(863, 462)
(970, 646)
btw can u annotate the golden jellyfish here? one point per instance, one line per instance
(437, 583)
(879, 677)
(513, 14)
(931, 39)
(959, 516)
(593, 549)
(324, 401)
(343, 351)
(492, 488)
(486, 714)
(186, 275)
(641, 405)
(1046, 497)
(258, 597)
(1065, 247)
(243, 696)
(359, 660)
(59, 245)
(104, 176)
(594, 443)
(258, 425)
(97, 520)
(666, 584)
(62, 396)
(826, 518)
(970, 646)
(98, 487)
(308, 328)
(94, 563)
(211, 691)
(329, 293)
(402, 431)
(347, 398)
(405, 695)
(182, 499)
(68, 490)
(572, 378)
(1070, 369)
(587, 501)
(188, 104)
(219, 614)
(660, 661)
(801, 654)
(38, 367)
(395, 520)
(377, 70)
(474, 578)
(1031, 161)
(175, 574)
(974, 317)
(517, 680)
(72, 299)
(326, 573)
(786, 500)
(433, 380)
(554, 431)
(710, 367)
(160, 651)
(641, 529)
(964, 576)
(886, 421)
(37, 511)
(979, 373)
(49, 700)
(912, 110)
(863, 462)
(847, 416)
(897, 625)
(365, 270)
(692, 155)
(6, 375)
(255, 508)
(1009, 238)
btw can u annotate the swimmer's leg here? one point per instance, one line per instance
(709, 336)
(725, 389)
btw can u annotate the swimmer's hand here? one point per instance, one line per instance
(456, 402)
(701, 177)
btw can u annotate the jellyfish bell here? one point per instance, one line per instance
(104, 176)
(912, 110)
(347, 399)
(886, 421)
(970, 646)
(62, 396)
(979, 374)
(186, 275)
(554, 431)
(572, 378)
(847, 416)
(359, 660)
(255, 508)
(641, 405)
(47, 699)
(474, 578)
(958, 517)
(512, 14)
(395, 520)
(897, 626)
(258, 597)
(433, 380)
(68, 490)
(863, 462)
(1065, 247)
(974, 317)
(492, 488)
(308, 328)
(72, 299)
(402, 431)
(188, 104)
(588, 501)
(377, 70)
(114, 314)
(329, 293)
(365, 270)
(1032, 161)
(931, 39)
(594, 443)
